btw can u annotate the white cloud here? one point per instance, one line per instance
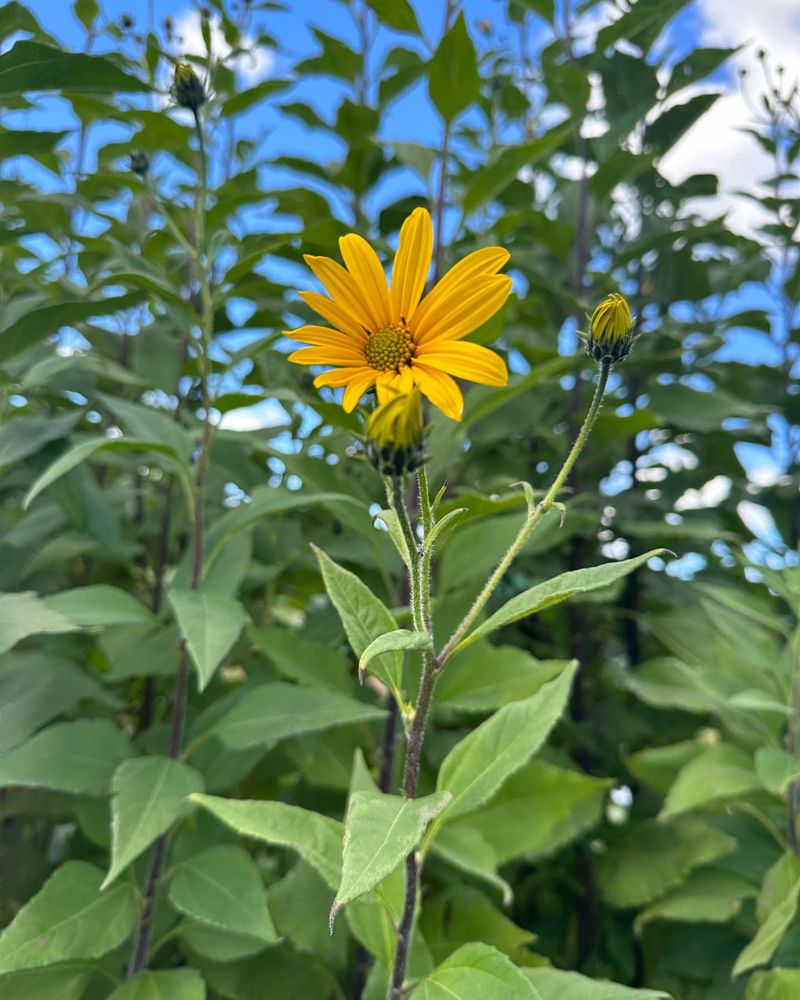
(710, 494)
(260, 416)
(253, 66)
(716, 143)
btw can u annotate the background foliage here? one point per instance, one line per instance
(652, 841)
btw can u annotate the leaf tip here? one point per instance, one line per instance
(332, 916)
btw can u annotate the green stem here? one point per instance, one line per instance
(415, 741)
(396, 495)
(534, 516)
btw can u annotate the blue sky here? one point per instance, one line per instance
(717, 143)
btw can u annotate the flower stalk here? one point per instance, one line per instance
(140, 954)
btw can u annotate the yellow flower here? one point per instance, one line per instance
(391, 337)
(398, 421)
(611, 329)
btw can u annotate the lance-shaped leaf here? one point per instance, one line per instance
(379, 831)
(149, 795)
(543, 595)
(223, 887)
(453, 78)
(99, 605)
(401, 640)
(477, 766)
(23, 614)
(164, 984)
(75, 757)
(272, 712)
(81, 452)
(553, 984)
(210, 624)
(364, 618)
(316, 838)
(720, 772)
(476, 972)
(64, 981)
(776, 909)
(69, 918)
(31, 66)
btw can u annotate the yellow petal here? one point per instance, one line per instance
(411, 264)
(388, 384)
(342, 287)
(464, 310)
(440, 389)
(362, 262)
(464, 360)
(334, 313)
(478, 264)
(322, 336)
(327, 356)
(342, 376)
(355, 390)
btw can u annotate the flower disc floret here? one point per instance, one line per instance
(388, 350)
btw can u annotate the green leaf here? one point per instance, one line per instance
(652, 857)
(149, 794)
(81, 452)
(492, 179)
(272, 712)
(223, 887)
(477, 766)
(468, 851)
(396, 14)
(31, 66)
(553, 984)
(98, 605)
(306, 661)
(475, 972)
(777, 984)
(36, 687)
(453, 79)
(379, 831)
(56, 982)
(77, 757)
(149, 424)
(720, 772)
(662, 134)
(706, 896)
(777, 909)
(544, 8)
(487, 677)
(37, 324)
(538, 810)
(776, 769)
(316, 838)
(24, 436)
(544, 595)
(400, 639)
(69, 918)
(24, 614)
(165, 984)
(210, 624)
(363, 616)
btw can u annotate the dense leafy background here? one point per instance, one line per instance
(651, 841)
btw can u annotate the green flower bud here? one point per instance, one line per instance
(611, 330)
(188, 88)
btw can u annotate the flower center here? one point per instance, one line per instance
(389, 349)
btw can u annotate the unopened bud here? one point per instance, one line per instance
(139, 162)
(188, 88)
(395, 442)
(611, 329)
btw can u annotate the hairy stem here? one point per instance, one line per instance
(414, 743)
(535, 515)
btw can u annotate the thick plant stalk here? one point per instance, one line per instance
(433, 664)
(140, 955)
